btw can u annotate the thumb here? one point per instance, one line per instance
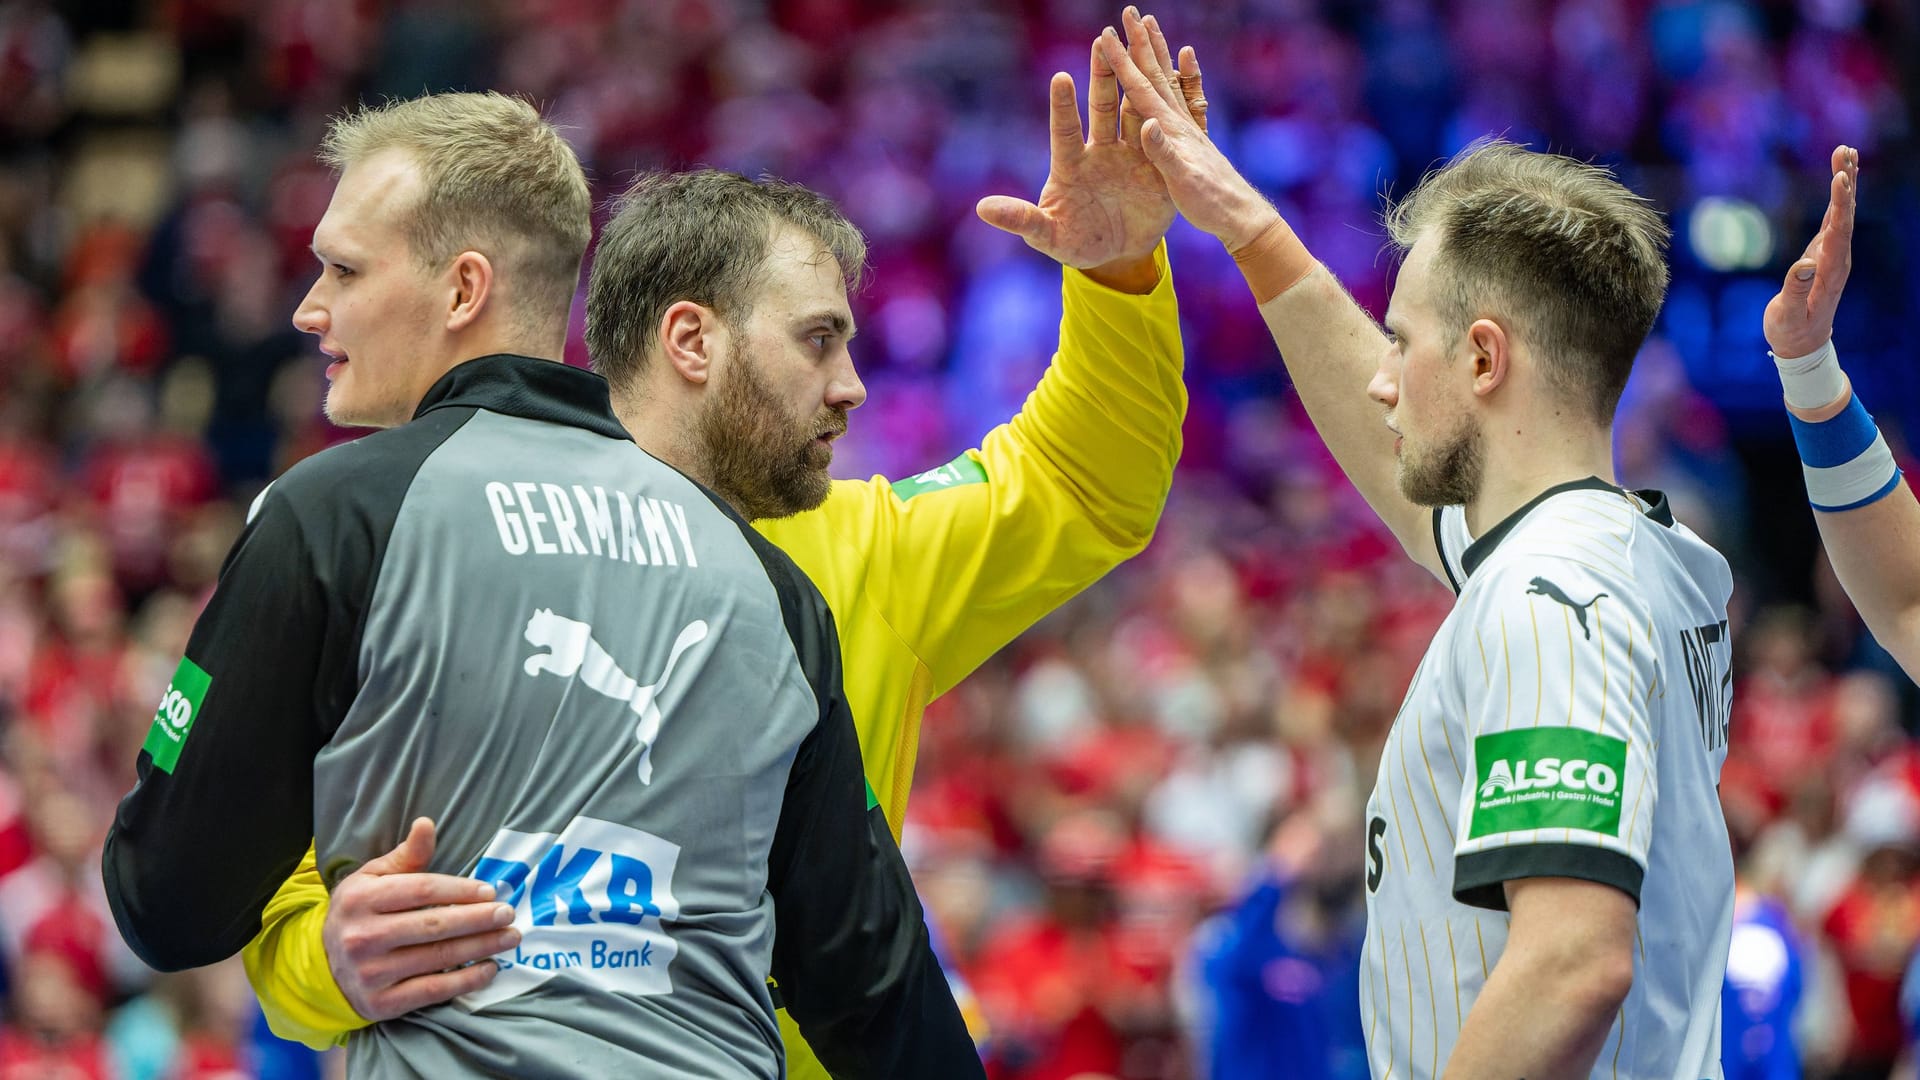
(1799, 281)
(412, 856)
(1153, 142)
(1017, 216)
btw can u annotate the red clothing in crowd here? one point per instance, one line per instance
(1874, 928)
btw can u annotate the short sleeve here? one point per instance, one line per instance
(1562, 780)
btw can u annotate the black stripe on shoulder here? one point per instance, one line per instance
(1478, 876)
(346, 500)
(1440, 548)
(808, 619)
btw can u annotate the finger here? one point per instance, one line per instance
(1103, 96)
(1063, 118)
(406, 929)
(425, 990)
(1153, 142)
(408, 892)
(1161, 54)
(1140, 47)
(1129, 77)
(400, 965)
(411, 855)
(1842, 156)
(1130, 120)
(1835, 258)
(1191, 88)
(1012, 216)
(1842, 196)
(1799, 281)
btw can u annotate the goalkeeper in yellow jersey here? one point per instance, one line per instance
(926, 577)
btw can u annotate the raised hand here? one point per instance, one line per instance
(1800, 318)
(1204, 186)
(1103, 201)
(399, 939)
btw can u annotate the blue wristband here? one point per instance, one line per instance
(1835, 441)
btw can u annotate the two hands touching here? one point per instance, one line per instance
(399, 938)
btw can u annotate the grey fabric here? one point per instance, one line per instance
(638, 868)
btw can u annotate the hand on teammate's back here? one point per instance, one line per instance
(1103, 200)
(1800, 318)
(400, 939)
(1203, 185)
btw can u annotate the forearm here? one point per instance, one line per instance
(1332, 348)
(1534, 1020)
(1875, 551)
(287, 965)
(1105, 420)
(1871, 538)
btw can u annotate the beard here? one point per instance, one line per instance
(759, 458)
(1447, 472)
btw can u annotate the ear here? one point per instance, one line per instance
(1490, 350)
(472, 278)
(691, 336)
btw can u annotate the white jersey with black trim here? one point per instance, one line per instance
(1569, 720)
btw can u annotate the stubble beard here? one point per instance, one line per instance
(1448, 473)
(758, 458)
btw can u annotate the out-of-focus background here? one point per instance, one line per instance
(1137, 829)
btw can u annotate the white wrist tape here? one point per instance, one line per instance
(1812, 380)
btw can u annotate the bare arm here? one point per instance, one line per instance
(1558, 986)
(1331, 346)
(1875, 548)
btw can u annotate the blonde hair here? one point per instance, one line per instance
(1559, 246)
(496, 179)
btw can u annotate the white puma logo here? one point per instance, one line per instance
(573, 652)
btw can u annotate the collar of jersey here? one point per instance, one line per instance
(527, 387)
(1653, 503)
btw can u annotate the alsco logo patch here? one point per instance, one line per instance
(961, 470)
(1548, 778)
(173, 720)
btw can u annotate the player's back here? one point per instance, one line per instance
(576, 662)
(1570, 720)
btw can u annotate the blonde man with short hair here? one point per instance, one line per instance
(1549, 885)
(622, 705)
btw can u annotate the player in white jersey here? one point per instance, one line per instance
(1550, 890)
(1569, 721)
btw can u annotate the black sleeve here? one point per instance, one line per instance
(223, 808)
(851, 953)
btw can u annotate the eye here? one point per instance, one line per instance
(819, 340)
(339, 270)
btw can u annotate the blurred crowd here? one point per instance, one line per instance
(1137, 830)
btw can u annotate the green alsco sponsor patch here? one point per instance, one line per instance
(1548, 778)
(872, 799)
(961, 470)
(174, 718)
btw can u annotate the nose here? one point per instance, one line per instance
(846, 391)
(310, 317)
(1384, 387)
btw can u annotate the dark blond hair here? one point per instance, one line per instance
(498, 179)
(1559, 248)
(701, 236)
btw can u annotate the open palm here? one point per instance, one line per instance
(1799, 319)
(1103, 200)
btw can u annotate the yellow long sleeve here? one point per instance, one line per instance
(287, 964)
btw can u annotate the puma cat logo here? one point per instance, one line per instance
(1543, 587)
(573, 653)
